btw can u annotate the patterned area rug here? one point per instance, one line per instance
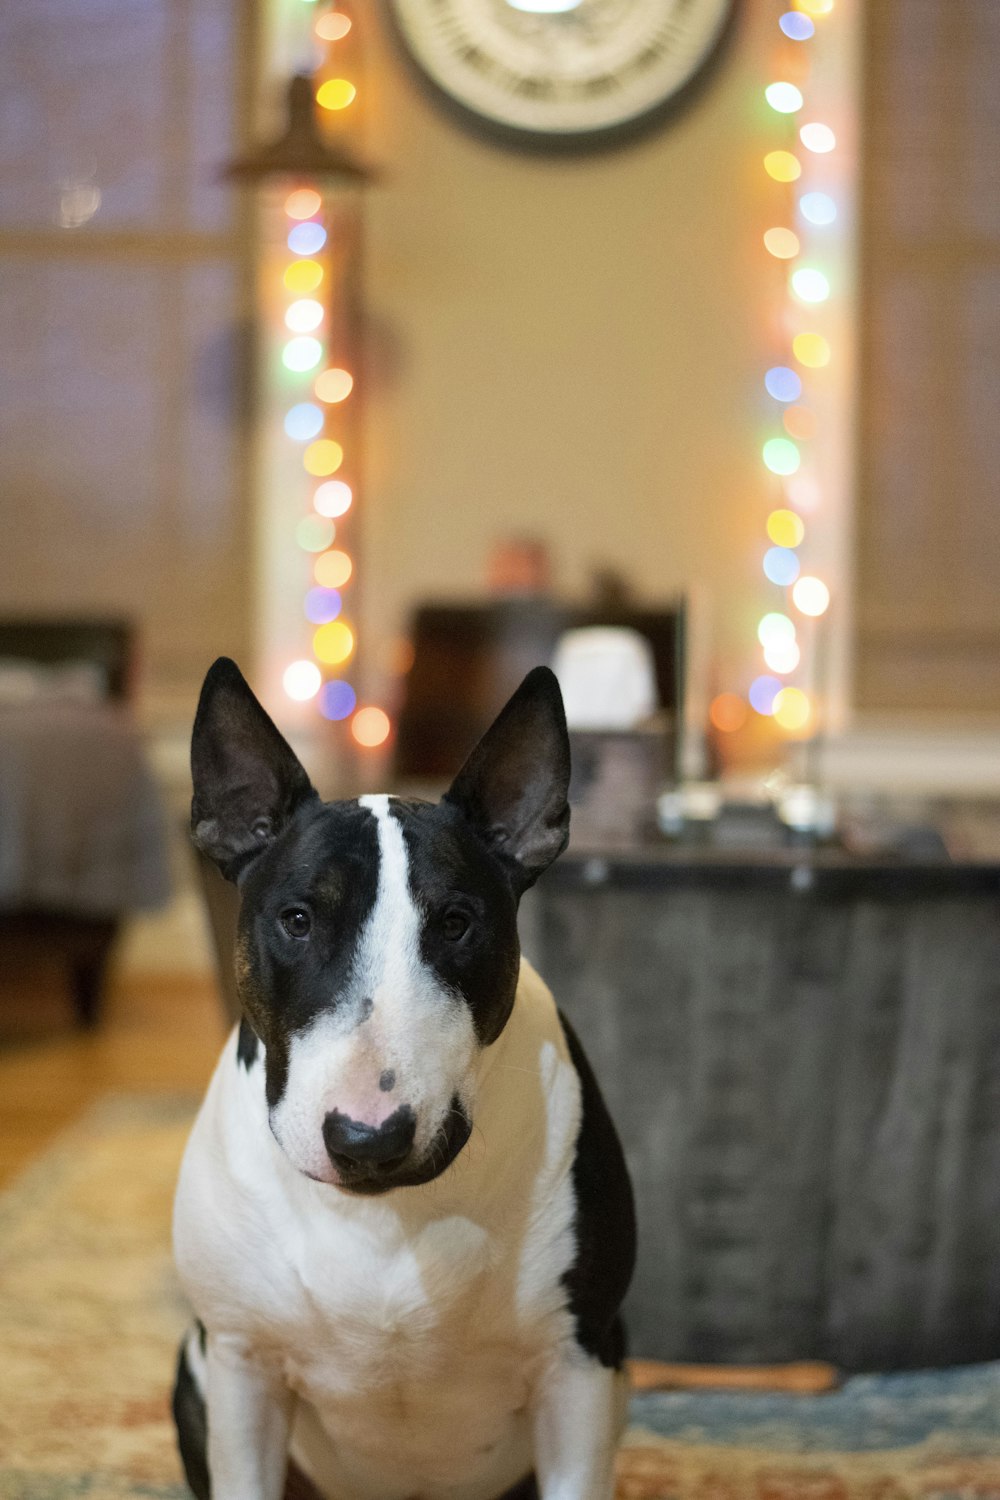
(90, 1315)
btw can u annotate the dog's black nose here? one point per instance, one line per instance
(351, 1143)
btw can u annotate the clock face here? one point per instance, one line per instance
(563, 69)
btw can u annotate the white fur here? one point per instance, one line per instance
(417, 1029)
(577, 1422)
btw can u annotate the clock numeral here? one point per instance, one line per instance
(648, 58)
(533, 88)
(672, 33)
(601, 83)
(448, 21)
(476, 58)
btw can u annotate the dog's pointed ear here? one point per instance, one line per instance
(247, 780)
(513, 787)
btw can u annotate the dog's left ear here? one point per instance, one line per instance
(513, 787)
(247, 779)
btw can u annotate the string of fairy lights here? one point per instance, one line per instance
(783, 637)
(320, 387)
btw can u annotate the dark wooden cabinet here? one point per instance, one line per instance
(802, 1053)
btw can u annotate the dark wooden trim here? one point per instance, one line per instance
(84, 943)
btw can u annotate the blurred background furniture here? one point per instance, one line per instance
(222, 903)
(81, 830)
(469, 658)
(801, 1049)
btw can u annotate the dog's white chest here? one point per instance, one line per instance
(435, 1340)
(376, 1302)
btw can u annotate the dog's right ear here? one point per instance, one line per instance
(247, 779)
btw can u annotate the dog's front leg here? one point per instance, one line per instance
(249, 1418)
(577, 1420)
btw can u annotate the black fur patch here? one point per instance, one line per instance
(605, 1222)
(191, 1420)
(452, 871)
(247, 1047)
(325, 862)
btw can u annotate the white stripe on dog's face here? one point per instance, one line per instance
(396, 1037)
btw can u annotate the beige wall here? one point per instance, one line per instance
(570, 347)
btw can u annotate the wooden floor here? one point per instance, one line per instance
(156, 1034)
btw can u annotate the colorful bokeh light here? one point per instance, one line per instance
(817, 208)
(811, 595)
(781, 566)
(333, 27)
(304, 203)
(302, 354)
(763, 691)
(322, 606)
(334, 385)
(301, 680)
(370, 727)
(810, 285)
(333, 498)
(775, 627)
(783, 97)
(783, 384)
(303, 276)
(782, 166)
(323, 457)
(782, 655)
(333, 569)
(304, 316)
(785, 528)
(811, 350)
(817, 138)
(304, 421)
(728, 712)
(314, 533)
(783, 244)
(781, 456)
(335, 93)
(797, 27)
(333, 643)
(337, 700)
(792, 709)
(306, 239)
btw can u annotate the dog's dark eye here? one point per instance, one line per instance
(455, 925)
(296, 922)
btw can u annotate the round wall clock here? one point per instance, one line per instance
(561, 70)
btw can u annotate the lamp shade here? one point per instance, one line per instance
(300, 151)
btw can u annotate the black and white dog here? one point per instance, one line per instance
(403, 1217)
